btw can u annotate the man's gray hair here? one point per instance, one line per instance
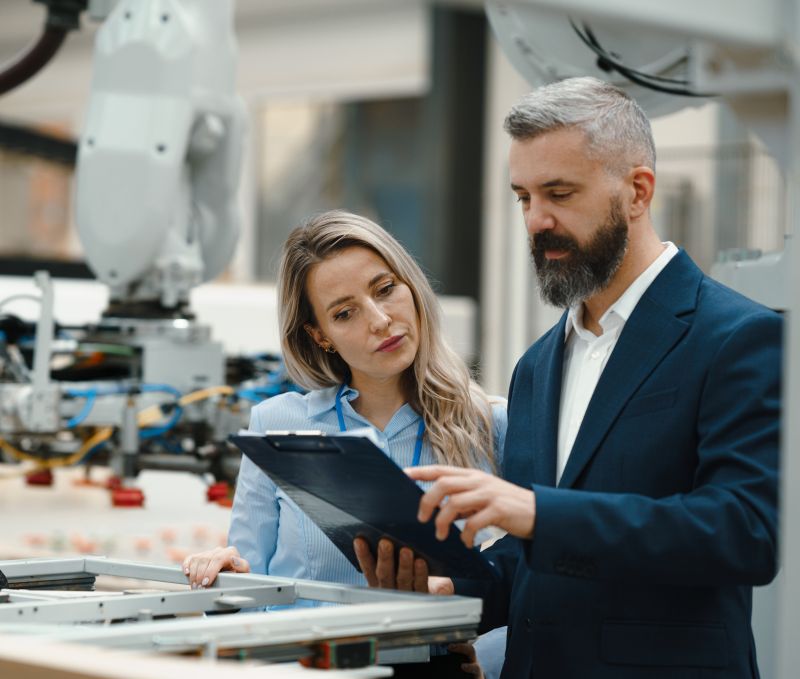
(617, 130)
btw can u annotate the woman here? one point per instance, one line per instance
(361, 329)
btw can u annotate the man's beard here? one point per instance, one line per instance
(586, 269)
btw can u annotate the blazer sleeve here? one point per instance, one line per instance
(503, 554)
(254, 516)
(722, 532)
(496, 594)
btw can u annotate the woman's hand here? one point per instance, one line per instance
(202, 568)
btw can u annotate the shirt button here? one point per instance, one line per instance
(595, 355)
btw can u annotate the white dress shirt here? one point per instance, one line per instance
(586, 355)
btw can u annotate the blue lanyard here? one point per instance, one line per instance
(420, 430)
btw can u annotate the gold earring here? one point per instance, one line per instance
(327, 348)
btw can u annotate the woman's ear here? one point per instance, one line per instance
(315, 333)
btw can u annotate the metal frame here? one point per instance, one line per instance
(393, 619)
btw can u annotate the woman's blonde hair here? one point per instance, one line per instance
(457, 413)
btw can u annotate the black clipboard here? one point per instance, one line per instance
(350, 488)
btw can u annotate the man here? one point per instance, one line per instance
(641, 453)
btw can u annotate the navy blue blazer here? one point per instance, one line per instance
(644, 555)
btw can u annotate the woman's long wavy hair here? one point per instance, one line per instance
(457, 413)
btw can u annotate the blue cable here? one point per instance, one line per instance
(75, 420)
(250, 395)
(170, 445)
(152, 432)
(266, 391)
(160, 387)
(91, 396)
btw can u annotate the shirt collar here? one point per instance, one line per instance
(321, 401)
(620, 311)
(574, 320)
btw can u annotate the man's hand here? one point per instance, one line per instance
(202, 568)
(480, 498)
(406, 573)
(471, 665)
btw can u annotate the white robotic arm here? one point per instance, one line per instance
(545, 44)
(160, 155)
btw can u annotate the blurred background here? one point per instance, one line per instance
(392, 109)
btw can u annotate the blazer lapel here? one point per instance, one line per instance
(650, 333)
(546, 400)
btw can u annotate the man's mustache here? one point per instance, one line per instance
(547, 240)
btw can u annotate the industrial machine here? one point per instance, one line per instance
(156, 179)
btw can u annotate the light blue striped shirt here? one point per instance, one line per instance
(270, 530)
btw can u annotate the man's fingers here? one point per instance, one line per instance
(464, 648)
(431, 472)
(458, 506)
(471, 665)
(385, 569)
(366, 561)
(446, 487)
(473, 669)
(479, 520)
(405, 570)
(420, 575)
(407, 573)
(462, 493)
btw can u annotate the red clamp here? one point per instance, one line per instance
(219, 492)
(127, 497)
(39, 477)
